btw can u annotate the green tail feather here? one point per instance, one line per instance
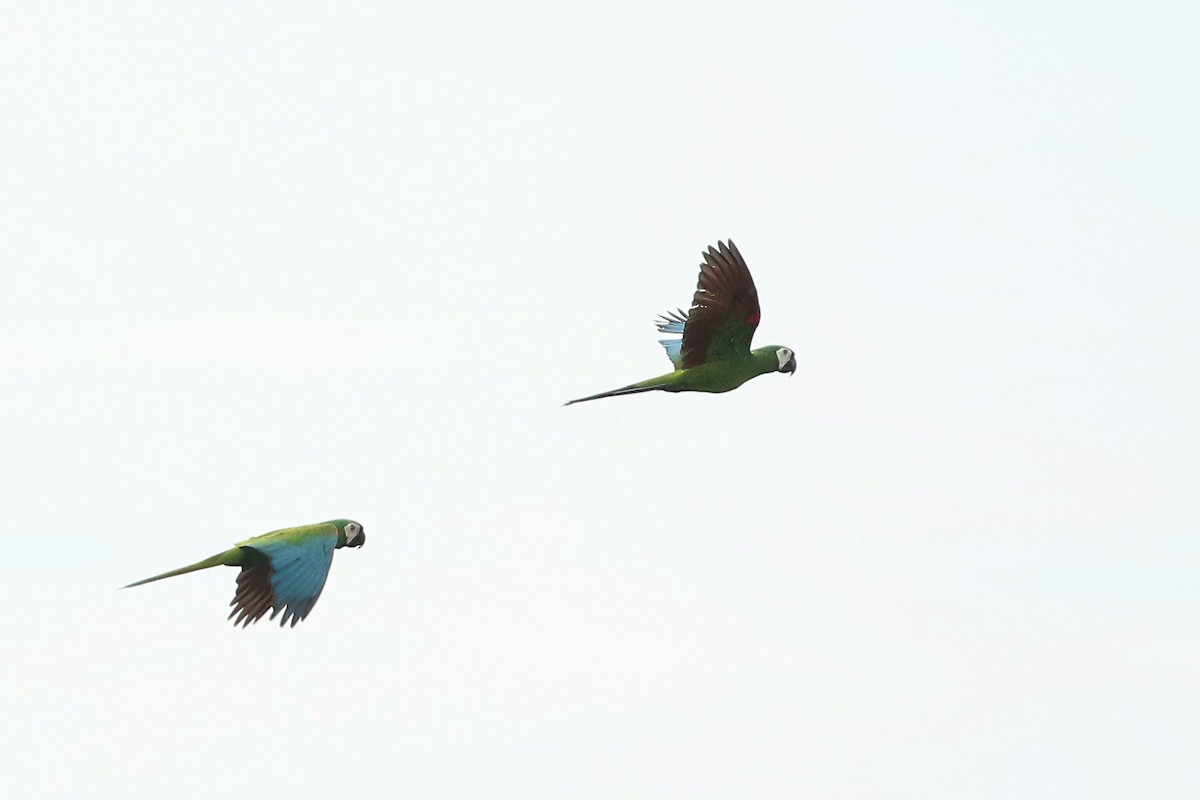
(614, 393)
(668, 382)
(231, 558)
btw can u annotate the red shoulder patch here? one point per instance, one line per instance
(752, 318)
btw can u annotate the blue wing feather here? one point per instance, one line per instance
(674, 348)
(298, 573)
(672, 322)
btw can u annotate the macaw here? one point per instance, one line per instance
(714, 354)
(283, 570)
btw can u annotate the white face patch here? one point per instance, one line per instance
(784, 355)
(352, 531)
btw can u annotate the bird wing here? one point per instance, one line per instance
(287, 573)
(724, 312)
(672, 322)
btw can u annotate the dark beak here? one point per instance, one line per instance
(361, 540)
(790, 366)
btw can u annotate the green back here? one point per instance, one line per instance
(302, 533)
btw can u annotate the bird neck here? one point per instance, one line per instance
(765, 360)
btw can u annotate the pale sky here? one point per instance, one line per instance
(269, 264)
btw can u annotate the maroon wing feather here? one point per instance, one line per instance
(724, 312)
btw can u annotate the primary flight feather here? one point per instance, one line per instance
(282, 571)
(714, 354)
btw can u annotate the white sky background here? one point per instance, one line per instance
(268, 265)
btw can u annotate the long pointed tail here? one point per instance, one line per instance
(229, 557)
(631, 389)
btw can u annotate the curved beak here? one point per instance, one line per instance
(361, 540)
(790, 366)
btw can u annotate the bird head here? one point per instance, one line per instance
(355, 536)
(787, 360)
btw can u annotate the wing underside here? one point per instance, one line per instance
(285, 573)
(672, 322)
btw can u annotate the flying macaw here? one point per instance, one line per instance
(283, 570)
(714, 354)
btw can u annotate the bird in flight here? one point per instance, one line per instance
(714, 354)
(283, 570)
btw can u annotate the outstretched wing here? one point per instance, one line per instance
(286, 572)
(724, 313)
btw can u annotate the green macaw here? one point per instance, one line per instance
(714, 354)
(283, 570)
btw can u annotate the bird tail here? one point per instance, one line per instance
(231, 558)
(662, 382)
